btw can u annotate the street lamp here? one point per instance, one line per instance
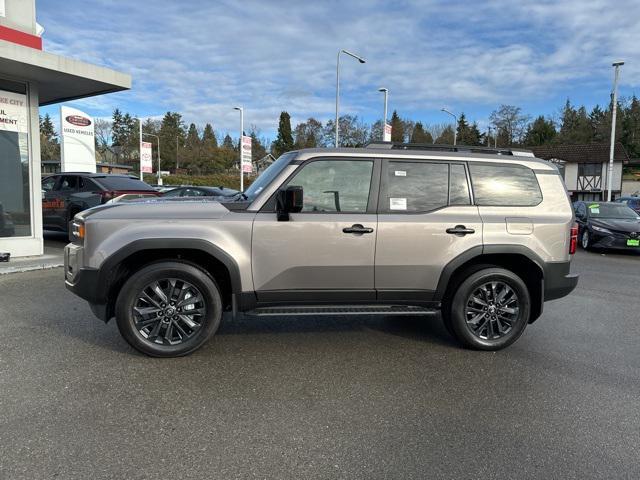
(616, 65)
(361, 60)
(455, 129)
(384, 119)
(241, 110)
(157, 138)
(488, 137)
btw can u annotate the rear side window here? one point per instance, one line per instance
(123, 183)
(504, 185)
(416, 187)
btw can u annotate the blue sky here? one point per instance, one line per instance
(202, 57)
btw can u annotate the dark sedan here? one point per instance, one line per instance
(631, 202)
(607, 225)
(201, 192)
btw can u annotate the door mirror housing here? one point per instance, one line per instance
(288, 200)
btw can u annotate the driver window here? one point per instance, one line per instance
(335, 185)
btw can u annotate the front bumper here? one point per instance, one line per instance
(612, 241)
(558, 280)
(84, 282)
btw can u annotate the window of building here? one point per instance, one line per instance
(504, 185)
(589, 169)
(15, 190)
(335, 185)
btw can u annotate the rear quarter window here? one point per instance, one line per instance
(504, 185)
(123, 183)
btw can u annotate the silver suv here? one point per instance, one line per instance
(483, 236)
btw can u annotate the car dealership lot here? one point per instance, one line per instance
(312, 397)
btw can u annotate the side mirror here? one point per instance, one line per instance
(288, 200)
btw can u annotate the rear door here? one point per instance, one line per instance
(325, 253)
(425, 220)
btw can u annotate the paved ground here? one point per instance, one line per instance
(53, 257)
(324, 398)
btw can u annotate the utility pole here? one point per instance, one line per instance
(384, 119)
(177, 161)
(140, 145)
(616, 65)
(241, 110)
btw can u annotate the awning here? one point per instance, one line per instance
(59, 79)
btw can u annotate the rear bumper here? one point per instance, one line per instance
(558, 280)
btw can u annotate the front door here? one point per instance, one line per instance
(326, 252)
(425, 220)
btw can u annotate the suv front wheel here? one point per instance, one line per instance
(490, 309)
(168, 309)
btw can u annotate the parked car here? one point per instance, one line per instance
(631, 202)
(65, 194)
(483, 236)
(190, 191)
(607, 225)
(7, 228)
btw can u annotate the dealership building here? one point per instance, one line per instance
(29, 78)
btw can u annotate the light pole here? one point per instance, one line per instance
(361, 60)
(241, 110)
(177, 161)
(616, 65)
(488, 137)
(157, 138)
(384, 119)
(455, 129)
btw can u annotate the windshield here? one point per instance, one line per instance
(267, 176)
(611, 210)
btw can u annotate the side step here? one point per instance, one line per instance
(343, 310)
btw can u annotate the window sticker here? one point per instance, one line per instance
(397, 204)
(401, 173)
(594, 205)
(594, 208)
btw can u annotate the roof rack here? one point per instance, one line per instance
(450, 148)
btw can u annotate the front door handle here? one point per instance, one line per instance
(460, 230)
(357, 229)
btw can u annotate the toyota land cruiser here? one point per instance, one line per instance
(484, 236)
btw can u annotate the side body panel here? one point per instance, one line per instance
(413, 249)
(543, 229)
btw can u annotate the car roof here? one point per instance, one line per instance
(470, 154)
(94, 175)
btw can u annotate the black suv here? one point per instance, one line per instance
(65, 194)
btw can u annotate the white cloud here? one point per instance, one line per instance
(202, 58)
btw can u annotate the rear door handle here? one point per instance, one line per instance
(357, 229)
(460, 230)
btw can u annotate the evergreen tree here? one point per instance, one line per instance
(228, 142)
(284, 141)
(540, 132)
(630, 136)
(446, 137)
(462, 130)
(192, 156)
(397, 128)
(419, 135)
(171, 134)
(49, 145)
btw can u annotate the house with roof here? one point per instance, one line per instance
(585, 168)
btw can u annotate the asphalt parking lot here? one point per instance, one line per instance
(316, 397)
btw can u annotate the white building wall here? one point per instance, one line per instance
(20, 15)
(571, 176)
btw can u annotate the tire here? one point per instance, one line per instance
(585, 240)
(163, 295)
(507, 303)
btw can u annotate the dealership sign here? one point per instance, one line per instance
(146, 157)
(246, 154)
(387, 132)
(78, 147)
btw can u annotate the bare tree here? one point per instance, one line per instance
(103, 138)
(511, 124)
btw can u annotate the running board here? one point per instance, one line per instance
(343, 310)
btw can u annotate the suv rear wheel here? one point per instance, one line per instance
(490, 309)
(168, 309)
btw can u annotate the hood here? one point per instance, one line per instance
(158, 208)
(617, 224)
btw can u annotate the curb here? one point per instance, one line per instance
(29, 268)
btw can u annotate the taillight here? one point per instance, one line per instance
(573, 240)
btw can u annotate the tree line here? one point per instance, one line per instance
(201, 151)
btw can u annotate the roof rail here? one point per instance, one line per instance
(449, 148)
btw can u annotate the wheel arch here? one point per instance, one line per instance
(200, 253)
(518, 259)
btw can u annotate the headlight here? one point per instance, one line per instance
(600, 229)
(76, 232)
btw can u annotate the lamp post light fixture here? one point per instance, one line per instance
(158, 139)
(361, 60)
(241, 110)
(455, 129)
(384, 118)
(616, 66)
